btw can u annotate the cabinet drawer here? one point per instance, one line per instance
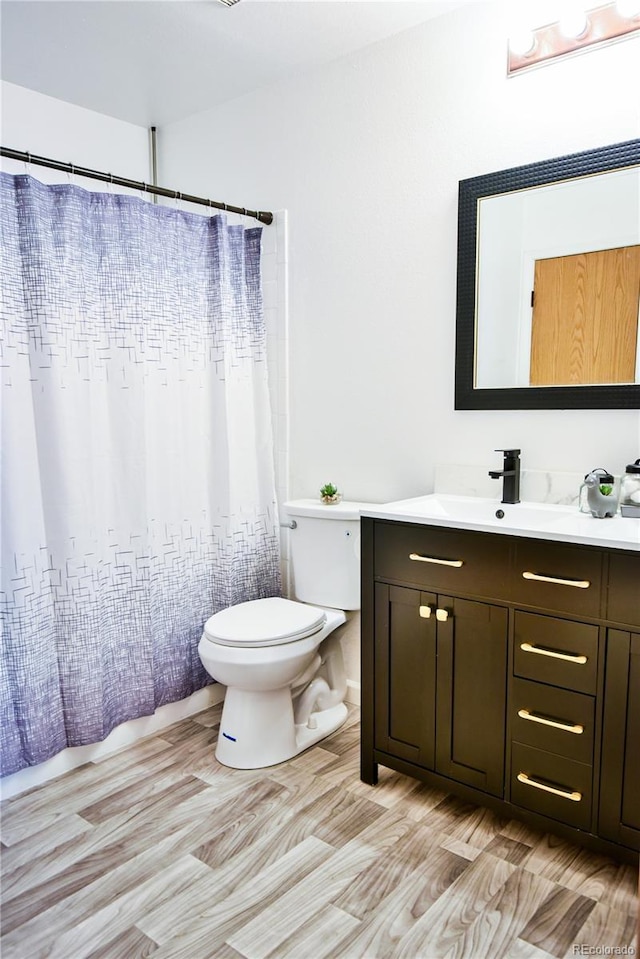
(551, 785)
(557, 576)
(623, 603)
(556, 651)
(555, 720)
(442, 560)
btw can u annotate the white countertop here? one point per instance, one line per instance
(534, 520)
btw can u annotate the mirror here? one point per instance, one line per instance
(549, 284)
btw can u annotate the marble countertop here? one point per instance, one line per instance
(548, 521)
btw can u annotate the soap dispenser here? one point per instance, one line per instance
(630, 490)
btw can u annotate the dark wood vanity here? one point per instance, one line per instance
(506, 670)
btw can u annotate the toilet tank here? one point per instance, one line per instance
(325, 552)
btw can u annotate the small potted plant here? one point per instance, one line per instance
(329, 494)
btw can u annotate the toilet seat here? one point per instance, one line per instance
(264, 622)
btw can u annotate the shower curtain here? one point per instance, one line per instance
(138, 493)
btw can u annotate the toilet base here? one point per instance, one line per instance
(327, 721)
(257, 729)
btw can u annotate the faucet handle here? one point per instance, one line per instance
(510, 452)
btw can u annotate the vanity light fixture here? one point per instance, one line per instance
(578, 30)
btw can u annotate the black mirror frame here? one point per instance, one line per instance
(467, 397)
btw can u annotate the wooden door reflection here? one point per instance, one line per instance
(585, 318)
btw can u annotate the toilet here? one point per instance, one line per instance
(282, 667)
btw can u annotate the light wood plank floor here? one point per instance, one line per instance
(160, 851)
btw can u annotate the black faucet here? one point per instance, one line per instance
(511, 475)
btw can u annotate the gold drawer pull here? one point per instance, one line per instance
(541, 578)
(433, 559)
(565, 794)
(541, 651)
(556, 723)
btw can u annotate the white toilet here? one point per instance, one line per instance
(283, 670)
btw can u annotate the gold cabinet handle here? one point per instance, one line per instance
(418, 558)
(554, 654)
(442, 615)
(541, 578)
(556, 723)
(563, 793)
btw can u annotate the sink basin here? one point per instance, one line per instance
(533, 520)
(474, 509)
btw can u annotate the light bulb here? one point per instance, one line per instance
(522, 43)
(628, 8)
(573, 23)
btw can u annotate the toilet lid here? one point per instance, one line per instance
(264, 622)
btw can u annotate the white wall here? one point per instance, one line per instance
(365, 155)
(47, 127)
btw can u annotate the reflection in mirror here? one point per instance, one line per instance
(548, 295)
(559, 284)
(584, 320)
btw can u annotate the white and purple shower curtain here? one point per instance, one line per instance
(138, 493)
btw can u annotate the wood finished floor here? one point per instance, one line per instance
(159, 851)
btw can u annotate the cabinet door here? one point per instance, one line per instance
(472, 681)
(620, 780)
(405, 674)
(623, 604)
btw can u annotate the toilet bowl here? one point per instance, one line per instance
(282, 667)
(268, 652)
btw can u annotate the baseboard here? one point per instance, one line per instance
(124, 735)
(352, 695)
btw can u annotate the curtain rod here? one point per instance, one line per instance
(262, 216)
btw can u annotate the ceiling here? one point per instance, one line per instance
(151, 62)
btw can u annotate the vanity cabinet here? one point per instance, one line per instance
(507, 671)
(440, 665)
(555, 671)
(405, 679)
(557, 576)
(471, 694)
(620, 791)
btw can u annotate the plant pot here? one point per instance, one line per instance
(331, 500)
